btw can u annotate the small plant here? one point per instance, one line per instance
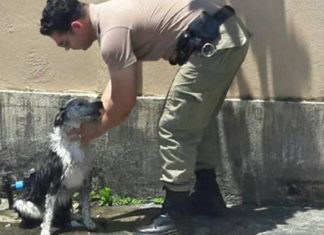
(76, 196)
(127, 201)
(158, 200)
(104, 197)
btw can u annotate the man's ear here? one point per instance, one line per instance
(77, 24)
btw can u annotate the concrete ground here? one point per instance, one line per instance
(240, 220)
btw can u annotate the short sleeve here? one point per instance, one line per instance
(116, 48)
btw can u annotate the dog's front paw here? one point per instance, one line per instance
(45, 232)
(90, 225)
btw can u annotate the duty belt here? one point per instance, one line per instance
(200, 36)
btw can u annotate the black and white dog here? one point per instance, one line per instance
(49, 192)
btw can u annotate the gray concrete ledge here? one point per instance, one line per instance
(267, 151)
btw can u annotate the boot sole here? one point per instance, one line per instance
(165, 233)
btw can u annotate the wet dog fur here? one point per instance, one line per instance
(48, 196)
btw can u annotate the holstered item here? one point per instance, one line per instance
(204, 29)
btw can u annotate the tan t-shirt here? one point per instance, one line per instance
(142, 30)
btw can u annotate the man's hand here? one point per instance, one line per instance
(74, 135)
(118, 99)
(87, 132)
(90, 131)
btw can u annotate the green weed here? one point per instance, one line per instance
(104, 197)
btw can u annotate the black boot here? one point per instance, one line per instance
(175, 217)
(207, 198)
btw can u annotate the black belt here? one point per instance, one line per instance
(223, 14)
(199, 35)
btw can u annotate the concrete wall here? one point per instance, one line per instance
(267, 152)
(285, 59)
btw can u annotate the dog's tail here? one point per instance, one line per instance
(27, 210)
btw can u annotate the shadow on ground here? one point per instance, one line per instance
(240, 220)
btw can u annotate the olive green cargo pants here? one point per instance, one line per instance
(194, 99)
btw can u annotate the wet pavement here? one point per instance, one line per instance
(240, 220)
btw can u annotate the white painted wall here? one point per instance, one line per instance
(285, 58)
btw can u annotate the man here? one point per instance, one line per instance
(208, 42)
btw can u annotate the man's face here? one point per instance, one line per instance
(74, 39)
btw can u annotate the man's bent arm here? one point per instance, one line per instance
(118, 98)
(139, 78)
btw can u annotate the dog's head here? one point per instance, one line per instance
(77, 111)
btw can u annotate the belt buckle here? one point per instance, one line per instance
(208, 50)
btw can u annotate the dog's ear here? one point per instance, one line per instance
(59, 118)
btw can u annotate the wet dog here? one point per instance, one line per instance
(48, 196)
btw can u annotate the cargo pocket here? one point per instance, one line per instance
(186, 110)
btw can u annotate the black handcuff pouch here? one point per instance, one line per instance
(204, 29)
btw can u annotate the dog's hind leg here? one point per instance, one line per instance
(48, 214)
(62, 214)
(86, 214)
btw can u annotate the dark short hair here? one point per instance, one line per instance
(58, 15)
